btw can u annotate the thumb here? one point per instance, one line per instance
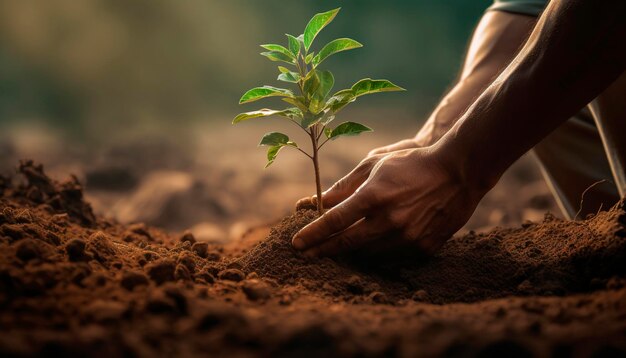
(331, 197)
(343, 188)
(347, 185)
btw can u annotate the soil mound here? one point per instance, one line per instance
(554, 257)
(39, 189)
(276, 258)
(73, 284)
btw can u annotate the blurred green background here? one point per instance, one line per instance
(135, 97)
(88, 67)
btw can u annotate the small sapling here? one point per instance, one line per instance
(313, 108)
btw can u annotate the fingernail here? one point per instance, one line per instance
(297, 243)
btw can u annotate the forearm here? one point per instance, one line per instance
(575, 52)
(495, 42)
(452, 107)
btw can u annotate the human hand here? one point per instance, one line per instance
(348, 184)
(410, 199)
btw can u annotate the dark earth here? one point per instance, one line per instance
(75, 284)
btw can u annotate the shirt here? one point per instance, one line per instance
(524, 7)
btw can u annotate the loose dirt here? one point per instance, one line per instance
(73, 283)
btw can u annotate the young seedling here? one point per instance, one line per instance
(313, 107)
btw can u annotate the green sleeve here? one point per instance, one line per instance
(524, 7)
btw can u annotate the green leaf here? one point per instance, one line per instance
(308, 58)
(297, 101)
(343, 92)
(294, 45)
(368, 86)
(326, 83)
(335, 46)
(279, 48)
(310, 119)
(272, 152)
(274, 138)
(365, 86)
(283, 69)
(340, 100)
(293, 113)
(266, 112)
(301, 40)
(328, 132)
(311, 83)
(276, 141)
(262, 92)
(348, 129)
(316, 24)
(278, 56)
(292, 77)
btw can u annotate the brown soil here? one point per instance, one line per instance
(72, 283)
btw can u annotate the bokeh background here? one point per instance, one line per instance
(135, 97)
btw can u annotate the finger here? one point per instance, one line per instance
(306, 203)
(333, 221)
(377, 151)
(352, 238)
(342, 189)
(347, 185)
(403, 144)
(380, 151)
(310, 203)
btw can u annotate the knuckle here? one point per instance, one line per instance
(366, 164)
(343, 184)
(367, 161)
(339, 186)
(374, 197)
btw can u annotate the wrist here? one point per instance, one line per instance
(462, 163)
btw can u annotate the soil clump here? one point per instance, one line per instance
(554, 257)
(73, 283)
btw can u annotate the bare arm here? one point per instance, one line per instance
(576, 51)
(496, 40)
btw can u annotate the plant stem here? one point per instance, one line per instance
(315, 136)
(316, 167)
(321, 145)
